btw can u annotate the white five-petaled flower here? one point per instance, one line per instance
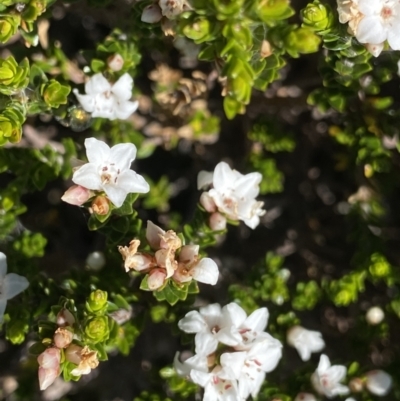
(305, 341)
(326, 379)
(378, 382)
(11, 284)
(106, 100)
(232, 194)
(109, 170)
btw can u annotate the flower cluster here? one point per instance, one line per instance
(169, 9)
(372, 22)
(232, 196)
(169, 259)
(62, 345)
(240, 370)
(11, 284)
(106, 100)
(108, 171)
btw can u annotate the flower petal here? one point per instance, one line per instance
(248, 185)
(204, 179)
(193, 322)
(3, 304)
(234, 361)
(394, 35)
(371, 30)
(116, 194)
(97, 151)
(369, 7)
(88, 177)
(124, 109)
(3, 265)
(205, 271)
(200, 378)
(97, 84)
(324, 364)
(123, 155)
(132, 182)
(153, 233)
(233, 315)
(13, 284)
(258, 320)
(86, 101)
(205, 342)
(223, 176)
(123, 87)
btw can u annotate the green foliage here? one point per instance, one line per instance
(31, 244)
(13, 76)
(11, 119)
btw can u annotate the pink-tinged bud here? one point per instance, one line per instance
(65, 318)
(76, 195)
(207, 202)
(50, 358)
(115, 62)
(139, 262)
(101, 205)
(151, 14)
(156, 279)
(63, 337)
(217, 222)
(356, 385)
(74, 354)
(47, 377)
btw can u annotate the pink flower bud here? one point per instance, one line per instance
(207, 202)
(115, 62)
(156, 279)
(65, 318)
(73, 354)
(101, 205)
(63, 337)
(151, 14)
(50, 358)
(76, 195)
(217, 222)
(139, 262)
(47, 377)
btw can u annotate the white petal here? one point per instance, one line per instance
(97, 84)
(234, 361)
(123, 87)
(204, 179)
(268, 353)
(229, 336)
(259, 380)
(13, 284)
(205, 343)
(324, 364)
(224, 177)
(304, 352)
(193, 322)
(132, 182)
(394, 35)
(370, 7)
(337, 372)
(153, 233)
(3, 265)
(116, 194)
(205, 271)
(248, 185)
(188, 253)
(123, 154)
(233, 314)
(86, 101)
(211, 314)
(97, 151)
(200, 378)
(340, 389)
(258, 320)
(3, 304)
(378, 382)
(124, 109)
(198, 362)
(88, 177)
(370, 30)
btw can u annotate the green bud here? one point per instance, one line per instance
(199, 30)
(13, 76)
(227, 8)
(16, 331)
(11, 120)
(33, 10)
(302, 40)
(274, 9)
(97, 330)
(8, 26)
(317, 16)
(379, 267)
(97, 301)
(54, 94)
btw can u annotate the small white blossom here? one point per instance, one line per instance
(109, 170)
(305, 397)
(378, 382)
(172, 8)
(305, 341)
(232, 194)
(374, 315)
(326, 379)
(106, 100)
(11, 284)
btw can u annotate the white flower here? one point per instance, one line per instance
(103, 99)
(380, 22)
(378, 382)
(233, 194)
(172, 8)
(197, 362)
(305, 341)
(326, 379)
(11, 284)
(374, 315)
(109, 170)
(305, 397)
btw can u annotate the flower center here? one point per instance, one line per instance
(109, 174)
(386, 13)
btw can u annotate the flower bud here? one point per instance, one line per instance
(305, 397)
(97, 330)
(356, 385)
(139, 262)
(47, 377)
(115, 62)
(317, 16)
(63, 337)
(73, 354)
(8, 26)
(50, 358)
(97, 301)
(207, 202)
(374, 315)
(156, 279)
(302, 40)
(101, 205)
(76, 195)
(11, 120)
(217, 222)
(151, 14)
(54, 94)
(65, 318)
(378, 382)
